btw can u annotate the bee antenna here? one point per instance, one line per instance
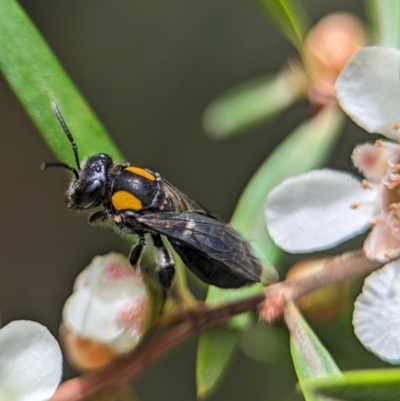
(71, 139)
(62, 165)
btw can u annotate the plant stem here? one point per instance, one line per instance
(184, 325)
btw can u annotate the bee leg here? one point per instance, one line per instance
(137, 251)
(164, 262)
(99, 217)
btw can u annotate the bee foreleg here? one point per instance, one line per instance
(137, 251)
(99, 217)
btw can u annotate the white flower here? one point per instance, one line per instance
(30, 361)
(320, 209)
(368, 89)
(110, 305)
(376, 316)
(317, 210)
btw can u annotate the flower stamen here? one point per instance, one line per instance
(394, 207)
(365, 184)
(396, 168)
(394, 181)
(390, 254)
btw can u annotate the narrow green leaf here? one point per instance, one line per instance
(212, 362)
(225, 339)
(307, 147)
(384, 18)
(310, 358)
(290, 17)
(250, 104)
(361, 385)
(37, 79)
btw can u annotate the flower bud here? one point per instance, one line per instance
(108, 312)
(323, 303)
(327, 49)
(84, 353)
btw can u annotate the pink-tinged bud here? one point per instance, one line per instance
(327, 49)
(324, 303)
(85, 354)
(108, 313)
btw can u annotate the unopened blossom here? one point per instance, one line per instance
(320, 209)
(108, 313)
(327, 48)
(323, 303)
(30, 362)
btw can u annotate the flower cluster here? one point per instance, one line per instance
(322, 208)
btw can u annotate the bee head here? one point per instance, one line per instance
(88, 188)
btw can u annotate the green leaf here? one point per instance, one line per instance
(290, 17)
(212, 362)
(361, 385)
(310, 358)
(250, 104)
(307, 147)
(267, 344)
(37, 79)
(384, 18)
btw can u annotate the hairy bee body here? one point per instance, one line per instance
(139, 201)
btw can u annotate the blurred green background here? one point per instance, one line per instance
(148, 69)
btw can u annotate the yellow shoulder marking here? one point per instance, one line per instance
(124, 200)
(142, 172)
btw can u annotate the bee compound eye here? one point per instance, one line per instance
(89, 195)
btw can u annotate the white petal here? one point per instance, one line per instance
(90, 317)
(314, 211)
(376, 317)
(368, 89)
(30, 361)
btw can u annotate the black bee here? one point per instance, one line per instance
(139, 201)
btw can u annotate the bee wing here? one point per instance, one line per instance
(207, 236)
(184, 203)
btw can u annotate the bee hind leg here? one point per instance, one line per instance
(164, 262)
